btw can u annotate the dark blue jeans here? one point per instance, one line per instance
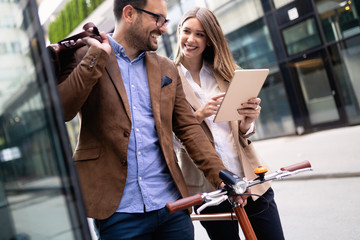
(152, 225)
(266, 225)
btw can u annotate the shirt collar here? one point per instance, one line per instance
(205, 67)
(120, 50)
(185, 71)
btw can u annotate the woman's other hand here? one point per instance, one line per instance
(250, 110)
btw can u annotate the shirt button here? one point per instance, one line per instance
(139, 153)
(140, 178)
(132, 85)
(134, 107)
(137, 130)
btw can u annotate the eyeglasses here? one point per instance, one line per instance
(160, 19)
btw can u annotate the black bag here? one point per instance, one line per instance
(62, 51)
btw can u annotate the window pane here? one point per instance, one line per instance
(275, 118)
(301, 37)
(251, 47)
(230, 19)
(280, 3)
(214, 4)
(345, 58)
(318, 96)
(339, 18)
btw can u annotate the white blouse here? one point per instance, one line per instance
(223, 137)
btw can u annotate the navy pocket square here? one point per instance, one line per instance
(165, 80)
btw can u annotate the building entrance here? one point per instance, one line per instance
(316, 89)
(315, 40)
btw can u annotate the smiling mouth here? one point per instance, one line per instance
(155, 36)
(190, 47)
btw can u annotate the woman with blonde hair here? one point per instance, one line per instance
(206, 67)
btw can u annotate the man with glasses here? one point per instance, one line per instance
(130, 101)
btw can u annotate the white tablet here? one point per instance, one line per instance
(246, 84)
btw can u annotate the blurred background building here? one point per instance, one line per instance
(39, 194)
(312, 48)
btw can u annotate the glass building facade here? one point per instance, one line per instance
(312, 48)
(39, 194)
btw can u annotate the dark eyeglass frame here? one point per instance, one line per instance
(160, 19)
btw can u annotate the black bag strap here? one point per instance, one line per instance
(90, 30)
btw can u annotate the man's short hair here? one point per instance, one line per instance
(120, 4)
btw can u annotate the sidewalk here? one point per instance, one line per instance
(321, 204)
(332, 153)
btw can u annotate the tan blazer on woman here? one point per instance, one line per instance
(194, 178)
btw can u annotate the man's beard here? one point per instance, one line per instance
(137, 39)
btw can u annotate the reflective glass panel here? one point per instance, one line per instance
(230, 19)
(275, 118)
(214, 4)
(339, 18)
(280, 3)
(37, 199)
(301, 37)
(345, 59)
(251, 47)
(316, 90)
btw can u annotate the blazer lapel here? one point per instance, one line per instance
(189, 92)
(113, 70)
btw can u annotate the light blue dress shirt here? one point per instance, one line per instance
(149, 185)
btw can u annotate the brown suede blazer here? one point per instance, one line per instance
(249, 160)
(92, 86)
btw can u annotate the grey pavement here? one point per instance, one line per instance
(332, 153)
(321, 204)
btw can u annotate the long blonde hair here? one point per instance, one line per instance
(218, 54)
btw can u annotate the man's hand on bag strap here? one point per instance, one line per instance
(105, 44)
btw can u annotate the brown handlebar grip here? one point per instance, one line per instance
(184, 203)
(296, 166)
